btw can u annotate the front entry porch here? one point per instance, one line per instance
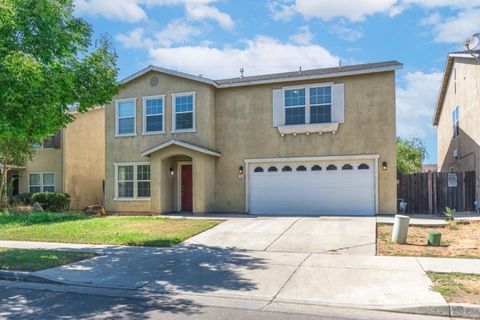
(182, 177)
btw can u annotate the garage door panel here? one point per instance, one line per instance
(336, 192)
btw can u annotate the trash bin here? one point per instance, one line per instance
(400, 229)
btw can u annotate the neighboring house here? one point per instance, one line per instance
(429, 168)
(306, 142)
(72, 161)
(457, 115)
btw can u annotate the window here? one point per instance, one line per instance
(132, 181)
(321, 105)
(272, 169)
(455, 122)
(125, 117)
(301, 168)
(311, 104)
(363, 166)
(331, 167)
(295, 106)
(52, 142)
(153, 115)
(184, 115)
(41, 182)
(316, 168)
(258, 169)
(286, 169)
(347, 167)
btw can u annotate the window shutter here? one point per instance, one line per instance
(57, 140)
(338, 103)
(278, 110)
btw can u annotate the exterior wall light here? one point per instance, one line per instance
(240, 170)
(384, 165)
(172, 172)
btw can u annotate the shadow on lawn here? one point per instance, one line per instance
(184, 269)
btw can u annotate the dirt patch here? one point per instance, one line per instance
(457, 287)
(458, 240)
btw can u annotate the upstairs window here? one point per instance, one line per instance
(184, 115)
(295, 106)
(153, 110)
(456, 122)
(52, 142)
(125, 117)
(321, 105)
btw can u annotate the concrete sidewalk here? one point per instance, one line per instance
(371, 282)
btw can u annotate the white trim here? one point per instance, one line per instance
(371, 157)
(308, 128)
(180, 144)
(117, 101)
(41, 185)
(332, 74)
(170, 72)
(313, 85)
(179, 183)
(135, 187)
(144, 115)
(174, 113)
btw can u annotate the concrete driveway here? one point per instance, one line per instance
(343, 235)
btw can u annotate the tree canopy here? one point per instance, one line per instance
(410, 155)
(47, 64)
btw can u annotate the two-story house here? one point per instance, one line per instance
(457, 115)
(72, 161)
(305, 142)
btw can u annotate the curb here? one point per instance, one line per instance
(453, 310)
(23, 276)
(464, 310)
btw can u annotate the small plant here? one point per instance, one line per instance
(449, 213)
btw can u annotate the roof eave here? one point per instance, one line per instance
(443, 89)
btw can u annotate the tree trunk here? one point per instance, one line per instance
(3, 179)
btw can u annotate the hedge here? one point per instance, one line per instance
(50, 201)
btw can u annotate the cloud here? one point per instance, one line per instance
(281, 10)
(133, 39)
(259, 55)
(455, 29)
(199, 10)
(123, 10)
(344, 32)
(416, 101)
(303, 36)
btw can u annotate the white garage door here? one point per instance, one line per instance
(324, 188)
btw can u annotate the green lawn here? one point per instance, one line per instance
(457, 287)
(78, 228)
(34, 260)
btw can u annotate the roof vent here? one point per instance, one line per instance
(154, 81)
(300, 69)
(241, 72)
(455, 153)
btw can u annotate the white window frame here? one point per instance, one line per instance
(174, 113)
(117, 118)
(307, 100)
(144, 126)
(135, 181)
(456, 122)
(41, 185)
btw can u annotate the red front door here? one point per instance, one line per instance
(187, 188)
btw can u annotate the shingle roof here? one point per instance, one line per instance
(335, 71)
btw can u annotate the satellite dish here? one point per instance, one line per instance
(473, 43)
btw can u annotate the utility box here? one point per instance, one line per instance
(434, 239)
(400, 229)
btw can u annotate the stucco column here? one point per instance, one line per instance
(203, 183)
(155, 184)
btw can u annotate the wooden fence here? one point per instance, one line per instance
(431, 192)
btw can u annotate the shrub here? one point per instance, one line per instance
(52, 201)
(24, 199)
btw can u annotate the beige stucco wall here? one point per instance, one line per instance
(84, 158)
(237, 122)
(43, 161)
(245, 131)
(464, 91)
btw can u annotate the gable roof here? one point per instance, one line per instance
(445, 80)
(180, 144)
(278, 77)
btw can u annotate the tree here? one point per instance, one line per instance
(410, 155)
(46, 65)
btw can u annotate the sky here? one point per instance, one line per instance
(216, 38)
